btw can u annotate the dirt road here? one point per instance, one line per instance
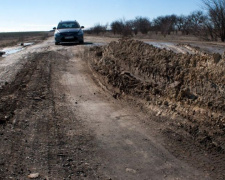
(57, 121)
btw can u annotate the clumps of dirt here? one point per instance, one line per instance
(14, 95)
(191, 86)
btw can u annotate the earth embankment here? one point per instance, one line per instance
(189, 87)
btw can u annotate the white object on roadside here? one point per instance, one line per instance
(33, 175)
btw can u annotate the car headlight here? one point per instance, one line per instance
(57, 33)
(80, 33)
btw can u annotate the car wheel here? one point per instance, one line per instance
(81, 42)
(56, 43)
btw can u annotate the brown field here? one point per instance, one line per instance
(14, 38)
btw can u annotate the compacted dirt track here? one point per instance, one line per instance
(57, 121)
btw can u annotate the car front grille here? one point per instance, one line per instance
(69, 40)
(69, 34)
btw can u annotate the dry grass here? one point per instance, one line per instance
(14, 38)
(153, 36)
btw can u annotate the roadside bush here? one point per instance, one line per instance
(142, 24)
(207, 26)
(97, 29)
(122, 27)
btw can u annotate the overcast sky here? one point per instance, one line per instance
(41, 15)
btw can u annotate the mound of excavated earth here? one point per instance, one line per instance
(191, 87)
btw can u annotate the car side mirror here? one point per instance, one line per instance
(82, 27)
(54, 28)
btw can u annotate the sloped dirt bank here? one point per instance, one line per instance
(190, 88)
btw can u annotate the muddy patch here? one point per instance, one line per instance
(12, 50)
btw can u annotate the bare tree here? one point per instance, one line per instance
(156, 24)
(142, 24)
(210, 30)
(164, 24)
(180, 23)
(98, 28)
(197, 22)
(117, 27)
(216, 11)
(122, 27)
(210, 26)
(128, 28)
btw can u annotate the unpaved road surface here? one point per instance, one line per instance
(56, 120)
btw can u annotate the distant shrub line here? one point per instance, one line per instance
(209, 26)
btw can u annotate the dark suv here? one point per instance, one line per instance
(69, 31)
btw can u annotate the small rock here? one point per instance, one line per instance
(159, 113)
(42, 97)
(98, 53)
(2, 121)
(116, 95)
(33, 175)
(37, 98)
(2, 53)
(23, 85)
(46, 178)
(216, 57)
(166, 103)
(148, 98)
(131, 170)
(223, 56)
(159, 103)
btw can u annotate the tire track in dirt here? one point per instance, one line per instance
(34, 138)
(125, 147)
(20, 134)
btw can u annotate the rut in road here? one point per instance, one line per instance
(126, 148)
(35, 126)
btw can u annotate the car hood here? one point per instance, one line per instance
(68, 30)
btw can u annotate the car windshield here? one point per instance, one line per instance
(66, 25)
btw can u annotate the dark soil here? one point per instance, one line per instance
(35, 123)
